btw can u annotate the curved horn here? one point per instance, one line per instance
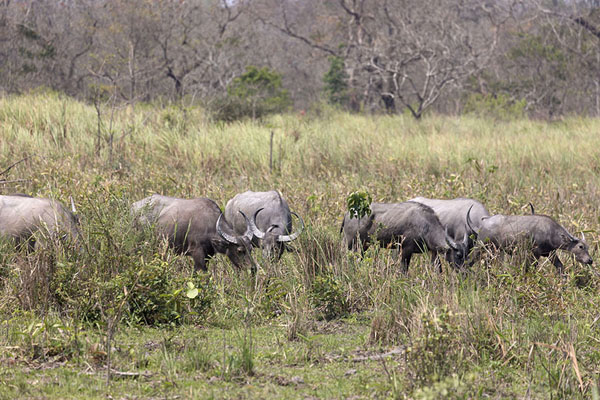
(465, 240)
(293, 236)
(257, 232)
(226, 236)
(73, 209)
(469, 220)
(571, 237)
(249, 232)
(450, 241)
(532, 209)
(582, 236)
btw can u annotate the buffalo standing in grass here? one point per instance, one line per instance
(453, 214)
(543, 233)
(271, 220)
(195, 227)
(412, 226)
(34, 221)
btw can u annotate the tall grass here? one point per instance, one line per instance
(466, 334)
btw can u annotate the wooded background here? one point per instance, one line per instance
(502, 57)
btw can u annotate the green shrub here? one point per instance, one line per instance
(435, 354)
(359, 204)
(335, 80)
(255, 93)
(499, 106)
(327, 297)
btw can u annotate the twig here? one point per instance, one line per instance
(12, 165)
(5, 182)
(271, 153)
(129, 374)
(378, 357)
(571, 351)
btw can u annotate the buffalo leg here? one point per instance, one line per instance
(557, 263)
(532, 259)
(435, 261)
(200, 260)
(405, 261)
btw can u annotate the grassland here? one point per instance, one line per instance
(321, 323)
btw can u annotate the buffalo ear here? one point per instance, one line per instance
(568, 238)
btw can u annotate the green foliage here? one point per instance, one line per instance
(537, 47)
(272, 303)
(452, 387)
(359, 204)
(327, 297)
(498, 106)
(335, 79)
(435, 353)
(255, 93)
(38, 48)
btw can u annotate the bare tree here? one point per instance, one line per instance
(405, 52)
(575, 30)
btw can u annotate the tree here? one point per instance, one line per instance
(405, 52)
(260, 90)
(336, 86)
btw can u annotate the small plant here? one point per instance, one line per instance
(359, 204)
(433, 354)
(197, 357)
(328, 298)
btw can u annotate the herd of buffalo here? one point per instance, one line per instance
(197, 227)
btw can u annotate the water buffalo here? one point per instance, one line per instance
(195, 227)
(34, 220)
(453, 213)
(271, 220)
(412, 226)
(541, 231)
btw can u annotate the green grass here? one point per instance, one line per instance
(494, 333)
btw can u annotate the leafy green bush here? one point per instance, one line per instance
(499, 106)
(254, 94)
(327, 297)
(359, 204)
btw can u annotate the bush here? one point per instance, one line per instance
(335, 80)
(327, 297)
(435, 353)
(254, 94)
(359, 204)
(499, 106)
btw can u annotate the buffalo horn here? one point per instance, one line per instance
(293, 236)
(226, 236)
(249, 233)
(257, 232)
(450, 241)
(73, 209)
(469, 220)
(532, 209)
(465, 239)
(572, 238)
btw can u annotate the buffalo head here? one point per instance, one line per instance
(273, 241)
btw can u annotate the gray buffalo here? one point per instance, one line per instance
(412, 226)
(541, 231)
(33, 221)
(195, 227)
(453, 214)
(271, 220)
